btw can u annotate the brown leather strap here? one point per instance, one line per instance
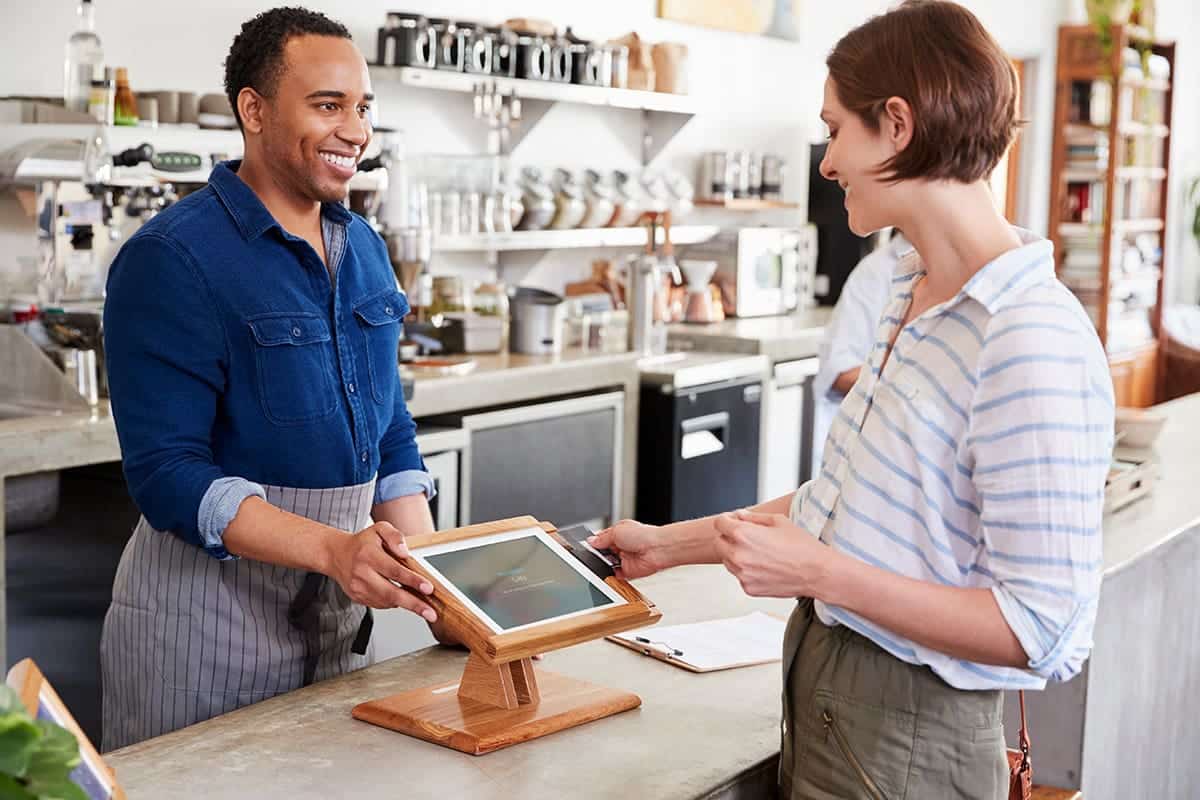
(1024, 736)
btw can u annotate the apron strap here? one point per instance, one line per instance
(304, 615)
(363, 637)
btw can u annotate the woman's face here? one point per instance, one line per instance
(854, 154)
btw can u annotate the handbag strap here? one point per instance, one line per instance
(1024, 735)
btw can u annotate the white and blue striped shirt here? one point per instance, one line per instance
(977, 458)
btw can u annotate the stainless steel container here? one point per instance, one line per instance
(408, 40)
(537, 322)
(451, 44)
(773, 171)
(479, 48)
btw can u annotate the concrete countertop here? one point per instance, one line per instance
(692, 735)
(782, 338)
(1173, 505)
(502, 378)
(61, 441)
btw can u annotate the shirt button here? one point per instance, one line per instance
(296, 331)
(364, 456)
(351, 388)
(388, 310)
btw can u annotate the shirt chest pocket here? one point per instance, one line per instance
(926, 414)
(379, 317)
(293, 354)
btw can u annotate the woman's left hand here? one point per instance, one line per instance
(770, 555)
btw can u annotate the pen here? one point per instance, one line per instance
(671, 651)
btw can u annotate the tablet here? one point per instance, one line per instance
(518, 579)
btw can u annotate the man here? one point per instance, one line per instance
(850, 335)
(251, 335)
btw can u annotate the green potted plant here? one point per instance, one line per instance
(36, 756)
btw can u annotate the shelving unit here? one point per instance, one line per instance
(663, 114)
(1108, 184)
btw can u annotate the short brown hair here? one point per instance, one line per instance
(961, 86)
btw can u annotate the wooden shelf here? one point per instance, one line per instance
(746, 204)
(1082, 57)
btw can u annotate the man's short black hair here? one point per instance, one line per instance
(256, 55)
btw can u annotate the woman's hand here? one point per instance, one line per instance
(770, 555)
(637, 545)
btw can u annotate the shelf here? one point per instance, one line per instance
(1151, 84)
(566, 239)
(664, 114)
(746, 204)
(1150, 173)
(1083, 174)
(1080, 229)
(1143, 129)
(554, 92)
(1137, 225)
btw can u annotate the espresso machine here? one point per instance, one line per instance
(82, 205)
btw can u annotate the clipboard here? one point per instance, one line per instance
(712, 646)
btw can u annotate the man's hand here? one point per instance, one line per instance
(367, 566)
(636, 544)
(770, 555)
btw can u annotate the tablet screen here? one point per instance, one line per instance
(518, 579)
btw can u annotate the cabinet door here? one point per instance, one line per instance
(1135, 377)
(556, 461)
(1122, 378)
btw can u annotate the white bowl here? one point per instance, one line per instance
(1138, 427)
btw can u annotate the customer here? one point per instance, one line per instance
(251, 334)
(950, 547)
(850, 334)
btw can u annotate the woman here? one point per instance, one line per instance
(950, 546)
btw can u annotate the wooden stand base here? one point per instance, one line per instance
(495, 706)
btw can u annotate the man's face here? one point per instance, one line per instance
(316, 126)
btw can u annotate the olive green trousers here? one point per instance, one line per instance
(860, 723)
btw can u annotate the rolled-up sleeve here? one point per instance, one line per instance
(1040, 440)
(167, 358)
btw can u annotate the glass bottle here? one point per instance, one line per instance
(125, 106)
(83, 61)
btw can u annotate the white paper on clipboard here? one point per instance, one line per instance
(755, 638)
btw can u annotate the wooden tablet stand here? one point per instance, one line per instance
(499, 700)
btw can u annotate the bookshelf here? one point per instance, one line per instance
(1108, 193)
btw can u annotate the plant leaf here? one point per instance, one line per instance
(18, 740)
(62, 789)
(56, 755)
(11, 790)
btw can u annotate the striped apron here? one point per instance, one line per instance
(188, 637)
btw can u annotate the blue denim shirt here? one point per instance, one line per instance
(235, 360)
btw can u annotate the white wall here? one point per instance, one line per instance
(754, 92)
